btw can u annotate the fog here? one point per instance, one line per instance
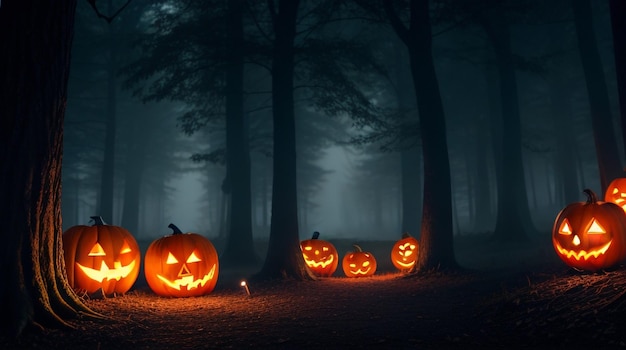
(166, 161)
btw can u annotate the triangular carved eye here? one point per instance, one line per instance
(125, 248)
(565, 228)
(97, 250)
(171, 259)
(595, 228)
(193, 258)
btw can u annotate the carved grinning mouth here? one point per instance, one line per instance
(403, 264)
(187, 281)
(117, 273)
(321, 264)
(583, 253)
(361, 272)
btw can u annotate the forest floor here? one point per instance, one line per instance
(515, 297)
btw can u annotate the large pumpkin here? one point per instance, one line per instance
(590, 235)
(404, 252)
(101, 257)
(616, 192)
(320, 256)
(358, 263)
(181, 265)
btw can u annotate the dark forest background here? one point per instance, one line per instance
(146, 108)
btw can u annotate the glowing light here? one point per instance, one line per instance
(582, 254)
(188, 281)
(245, 286)
(116, 273)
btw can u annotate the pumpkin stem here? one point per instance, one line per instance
(405, 235)
(357, 248)
(316, 235)
(176, 230)
(97, 220)
(591, 197)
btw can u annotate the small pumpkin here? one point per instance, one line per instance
(616, 192)
(404, 252)
(358, 263)
(320, 256)
(101, 257)
(590, 235)
(181, 265)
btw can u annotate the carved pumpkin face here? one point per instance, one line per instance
(101, 257)
(320, 256)
(181, 265)
(358, 263)
(616, 192)
(405, 252)
(590, 235)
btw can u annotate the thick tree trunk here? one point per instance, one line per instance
(599, 106)
(513, 223)
(240, 244)
(436, 240)
(284, 257)
(35, 41)
(410, 161)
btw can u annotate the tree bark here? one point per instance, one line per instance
(599, 106)
(35, 41)
(436, 239)
(284, 257)
(240, 244)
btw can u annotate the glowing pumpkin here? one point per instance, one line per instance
(358, 263)
(320, 256)
(101, 257)
(616, 192)
(590, 235)
(181, 265)
(405, 252)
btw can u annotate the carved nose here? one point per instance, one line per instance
(576, 240)
(184, 271)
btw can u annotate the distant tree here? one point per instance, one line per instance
(239, 248)
(599, 107)
(618, 25)
(513, 207)
(35, 41)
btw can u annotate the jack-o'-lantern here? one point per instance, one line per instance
(405, 252)
(590, 235)
(616, 192)
(101, 258)
(320, 256)
(358, 263)
(181, 265)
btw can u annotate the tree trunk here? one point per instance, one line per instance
(284, 257)
(107, 188)
(436, 240)
(513, 211)
(565, 159)
(409, 157)
(599, 106)
(133, 180)
(618, 25)
(35, 41)
(239, 245)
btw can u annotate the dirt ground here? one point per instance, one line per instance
(526, 303)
